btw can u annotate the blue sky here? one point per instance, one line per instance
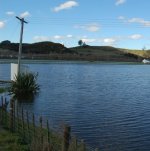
(119, 23)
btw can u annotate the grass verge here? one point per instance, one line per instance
(11, 142)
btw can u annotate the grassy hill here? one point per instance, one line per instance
(107, 53)
(40, 50)
(142, 53)
(56, 51)
(36, 48)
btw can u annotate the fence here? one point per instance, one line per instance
(35, 131)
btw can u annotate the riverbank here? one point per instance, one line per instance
(32, 132)
(46, 61)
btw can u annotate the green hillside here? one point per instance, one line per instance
(57, 51)
(37, 48)
(142, 53)
(107, 53)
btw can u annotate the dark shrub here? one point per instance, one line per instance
(24, 86)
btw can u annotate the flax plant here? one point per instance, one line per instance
(24, 86)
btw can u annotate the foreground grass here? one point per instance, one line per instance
(11, 142)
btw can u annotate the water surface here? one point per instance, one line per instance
(107, 105)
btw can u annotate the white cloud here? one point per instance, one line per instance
(40, 38)
(69, 36)
(140, 21)
(109, 41)
(145, 23)
(135, 36)
(121, 18)
(10, 13)
(2, 24)
(24, 14)
(58, 37)
(66, 5)
(94, 27)
(119, 2)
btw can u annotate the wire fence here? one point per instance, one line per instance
(36, 132)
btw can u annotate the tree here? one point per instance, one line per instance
(80, 43)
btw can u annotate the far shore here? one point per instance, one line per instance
(34, 61)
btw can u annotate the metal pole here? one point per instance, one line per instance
(20, 44)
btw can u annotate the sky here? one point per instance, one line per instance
(118, 23)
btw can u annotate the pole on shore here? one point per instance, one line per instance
(20, 44)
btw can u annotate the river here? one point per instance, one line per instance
(106, 104)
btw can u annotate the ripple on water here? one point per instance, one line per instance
(107, 105)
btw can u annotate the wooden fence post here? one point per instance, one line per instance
(11, 115)
(5, 110)
(33, 137)
(2, 101)
(48, 137)
(33, 122)
(17, 112)
(23, 128)
(14, 115)
(48, 133)
(28, 127)
(41, 130)
(66, 138)
(2, 111)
